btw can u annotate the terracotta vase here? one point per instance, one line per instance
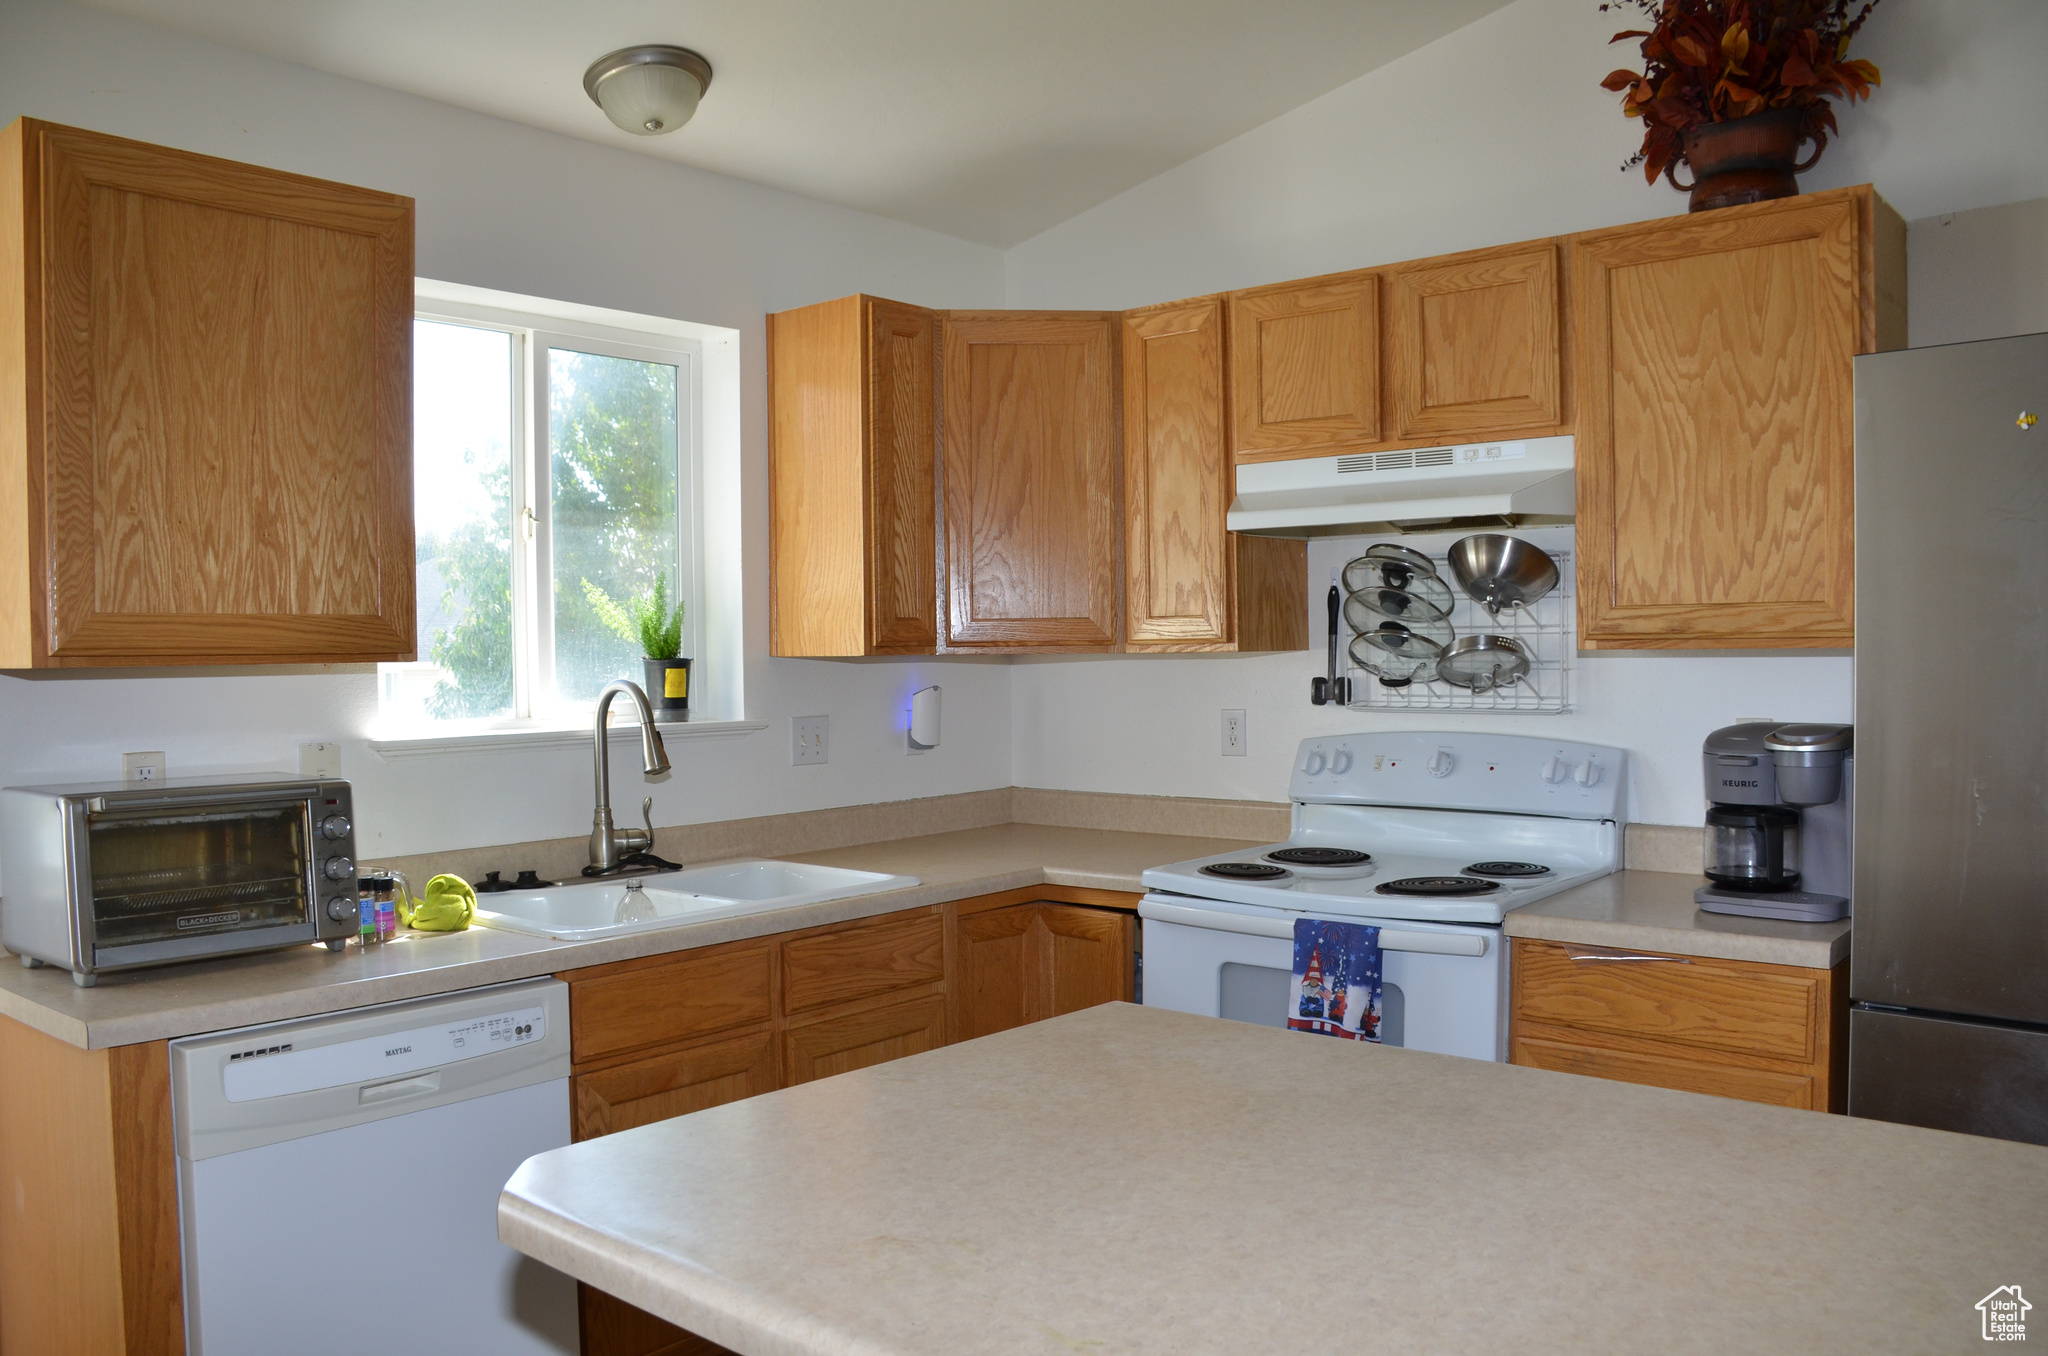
(1748, 159)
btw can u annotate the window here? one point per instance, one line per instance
(554, 468)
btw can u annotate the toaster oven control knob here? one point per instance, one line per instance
(341, 909)
(1441, 762)
(338, 868)
(334, 827)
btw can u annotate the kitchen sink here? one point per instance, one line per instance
(605, 908)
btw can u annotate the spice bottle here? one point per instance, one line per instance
(366, 911)
(386, 908)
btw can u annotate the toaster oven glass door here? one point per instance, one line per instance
(162, 875)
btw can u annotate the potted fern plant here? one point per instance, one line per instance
(647, 621)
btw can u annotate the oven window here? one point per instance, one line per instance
(169, 876)
(1258, 994)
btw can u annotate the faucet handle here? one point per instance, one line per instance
(647, 818)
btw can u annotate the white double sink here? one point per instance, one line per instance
(607, 908)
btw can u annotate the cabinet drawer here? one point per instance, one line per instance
(673, 1083)
(695, 996)
(1663, 1071)
(1749, 1009)
(838, 967)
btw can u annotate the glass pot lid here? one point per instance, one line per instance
(1371, 572)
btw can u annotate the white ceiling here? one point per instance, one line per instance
(990, 120)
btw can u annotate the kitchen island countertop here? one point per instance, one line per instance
(1130, 1180)
(1655, 911)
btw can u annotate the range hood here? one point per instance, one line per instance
(1418, 488)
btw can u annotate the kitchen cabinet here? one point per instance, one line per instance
(1305, 366)
(1189, 582)
(205, 409)
(1029, 961)
(852, 476)
(1761, 1033)
(855, 1040)
(1030, 467)
(673, 1083)
(1716, 419)
(1477, 344)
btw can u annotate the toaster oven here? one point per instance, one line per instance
(115, 876)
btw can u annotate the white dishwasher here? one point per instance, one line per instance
(338, 1178)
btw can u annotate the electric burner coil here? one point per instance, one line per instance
(1246, 871)
(1443, 887)
(1507, 870)
(1319, 856)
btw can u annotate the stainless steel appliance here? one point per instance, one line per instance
(338, 1178)
(1779, 799)
(1948, 968)
(113, 876)
(1432, 838)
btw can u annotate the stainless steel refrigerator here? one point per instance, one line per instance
(1948, 968)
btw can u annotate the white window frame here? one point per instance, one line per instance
(534, 332)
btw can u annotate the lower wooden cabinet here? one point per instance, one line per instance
(834, 1045)
(1762, 1033)
(1027, 962)
(673, 1083)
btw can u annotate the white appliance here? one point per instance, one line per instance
(338, 1178)
(1430, 837)
(1512, 478)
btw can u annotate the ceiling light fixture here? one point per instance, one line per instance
(650, 89)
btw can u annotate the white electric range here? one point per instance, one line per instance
(1430, 837)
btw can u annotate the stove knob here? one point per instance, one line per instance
(1441, 763)
(334, 827)
(341, 908)
(1316, 762)
(1588, 775)
(338, 868)
(1340, 762)
(1556, 770)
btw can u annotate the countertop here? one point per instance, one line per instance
(1654, 911)
(182, 1000)
(1131, 1180)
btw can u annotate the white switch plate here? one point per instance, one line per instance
(809, 739)
(142, 768)
(1233, 734)
(321, 760)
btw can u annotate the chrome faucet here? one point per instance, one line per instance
(608, 844)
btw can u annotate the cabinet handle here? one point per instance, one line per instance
(1582, 957)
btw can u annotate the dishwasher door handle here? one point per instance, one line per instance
(417, 1085)
(1391, 939)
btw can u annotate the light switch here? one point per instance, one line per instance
(809, 738)
(322, 760)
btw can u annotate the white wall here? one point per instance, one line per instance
(1498, 132)
(507, 207)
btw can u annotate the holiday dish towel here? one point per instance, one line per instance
(1336, 986)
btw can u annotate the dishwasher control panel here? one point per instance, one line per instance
(369, 1059)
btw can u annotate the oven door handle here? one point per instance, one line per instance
(1391, 939)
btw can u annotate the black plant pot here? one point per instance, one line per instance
(668, 687)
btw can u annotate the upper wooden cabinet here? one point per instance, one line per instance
(1030, 409)
(1305, 366)
(1189, 582)
(1716, 419)
(1476, 343)
(205, 409)
(852, 457)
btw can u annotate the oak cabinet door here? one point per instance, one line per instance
(1177, 476)
(996, 970)
(1027, 962)
(1089, 957)
(852, 472)
(694, 995)
(218, 409)
(1477, 346)
(827, 968)
(1305, 366)
(673, 1083)
(1031, 479)
(849, 1041)
(1716, 424)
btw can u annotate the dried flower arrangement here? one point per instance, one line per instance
(1709, 61)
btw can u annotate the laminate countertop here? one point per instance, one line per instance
(183, 1000)
(1132, 1180)
(1655, 911)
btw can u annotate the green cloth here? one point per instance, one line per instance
(449, 905)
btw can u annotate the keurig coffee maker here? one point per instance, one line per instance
(1778, 816)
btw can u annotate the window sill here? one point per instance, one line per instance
(546, 737)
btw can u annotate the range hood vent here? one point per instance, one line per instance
(1506, 482)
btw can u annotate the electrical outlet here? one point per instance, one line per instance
(142, 768)
(1233, 734)
(322, 760)
(809, 739)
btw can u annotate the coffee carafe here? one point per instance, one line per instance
(1779, 800)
